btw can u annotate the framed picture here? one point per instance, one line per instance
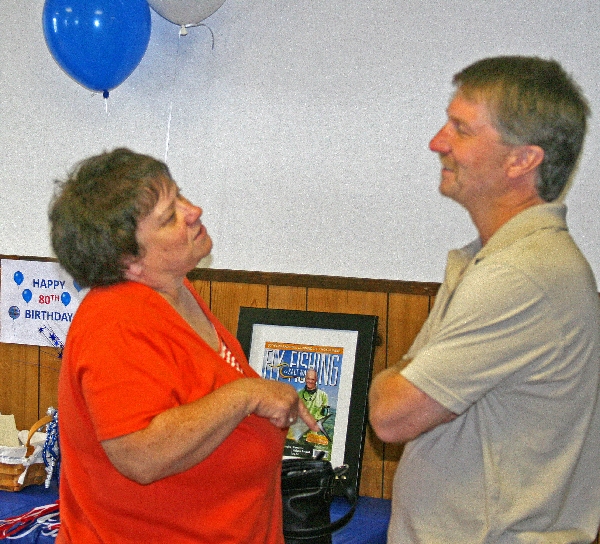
(327, 358)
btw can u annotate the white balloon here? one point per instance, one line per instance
(185, 12)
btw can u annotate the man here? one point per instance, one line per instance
(316, 400)
(497, 399)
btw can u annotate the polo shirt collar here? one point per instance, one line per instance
(542, 216)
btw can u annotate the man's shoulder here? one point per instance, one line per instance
(550, 258)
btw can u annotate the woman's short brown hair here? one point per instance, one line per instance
(95, 212)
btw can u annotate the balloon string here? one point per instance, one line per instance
(182, 32)
(212, 35)
(168, 131)
(171, 102)
(106, 118)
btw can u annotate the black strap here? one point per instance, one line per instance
(351, 495)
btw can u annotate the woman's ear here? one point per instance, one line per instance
(524, 159)
(133, 267)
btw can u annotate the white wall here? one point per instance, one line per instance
(303, 134)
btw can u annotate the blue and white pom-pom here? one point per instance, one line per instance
(51, 451)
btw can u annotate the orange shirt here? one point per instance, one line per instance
(128, 357)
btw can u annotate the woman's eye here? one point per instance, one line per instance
(170, 219)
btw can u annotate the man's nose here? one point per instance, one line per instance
(439, 143)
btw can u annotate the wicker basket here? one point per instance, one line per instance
(9, 474)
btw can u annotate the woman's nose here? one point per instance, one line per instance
(192, 212)
(195, 213)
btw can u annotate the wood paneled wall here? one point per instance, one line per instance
(29, 374)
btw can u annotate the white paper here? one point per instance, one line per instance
(9, 435)
(37, 302)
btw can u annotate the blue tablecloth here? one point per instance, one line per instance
(18, 502)
(368, 525)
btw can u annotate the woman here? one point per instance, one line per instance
(167, 435)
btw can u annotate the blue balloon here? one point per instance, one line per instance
(99, 43)
(18, 277)
(26, 294)
(65, 298)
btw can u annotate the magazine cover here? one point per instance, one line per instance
(315, 372)
(319, 365)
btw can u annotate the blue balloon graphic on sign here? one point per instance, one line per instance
(99, 43)
(26, 294)
(18, 277)
(65, 298)
(14, 312)
(77, 286)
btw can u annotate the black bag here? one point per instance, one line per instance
(308, 487)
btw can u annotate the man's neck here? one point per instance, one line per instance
(488, 221)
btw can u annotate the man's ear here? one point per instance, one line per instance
(524, 159)
(133, 267)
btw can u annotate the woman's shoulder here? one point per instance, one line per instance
(121, 299)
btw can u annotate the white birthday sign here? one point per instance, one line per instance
(37, 302)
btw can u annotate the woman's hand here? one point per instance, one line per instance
(280, 404)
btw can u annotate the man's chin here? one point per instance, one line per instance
(445, 189)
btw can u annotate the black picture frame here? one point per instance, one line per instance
(283, 322)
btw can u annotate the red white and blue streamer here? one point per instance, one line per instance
(41, 521)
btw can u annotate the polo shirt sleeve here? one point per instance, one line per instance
(496, 324)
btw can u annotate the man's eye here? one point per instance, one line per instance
(462, 130)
